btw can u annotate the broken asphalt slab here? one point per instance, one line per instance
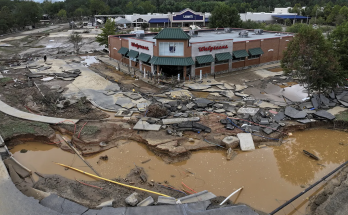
(324, 114)
(294, 114)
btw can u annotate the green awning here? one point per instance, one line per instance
(205, 59)
(144, 57)
(223, 56)
(172, 61)
(123, 50)
(240, 53)
(256, 51)
(132, 54)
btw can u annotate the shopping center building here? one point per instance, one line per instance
(174, 51)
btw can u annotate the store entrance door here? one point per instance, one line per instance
(172, 71)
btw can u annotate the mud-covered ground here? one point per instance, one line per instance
(18, 93)
(104, 191)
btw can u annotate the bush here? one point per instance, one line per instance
(273, 27)
(296, 27)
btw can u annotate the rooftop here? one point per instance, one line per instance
(212, 35)
(172, 34)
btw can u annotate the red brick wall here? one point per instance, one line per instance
(205, 70)
(238, 64)
(252, 44)
(221, 67)
(252, 62)
(283, 43)
(269, 44)
(239, 46)
(125, 60)
(117, 43)
(146, 67)
(133, 64)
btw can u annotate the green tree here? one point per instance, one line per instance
(287, 22)
(27, 13)
(344, 12)
(339, 39)
(62, 14)
(144, 25)
(76, 40)
(98, 7)
(224, 16)
(312, 59)
(339, 19)
(3, 26)
(296, 27)
(334, 12)
(273, 27)
(108, 29)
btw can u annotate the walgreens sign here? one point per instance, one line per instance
(139, 46)
(211, 48)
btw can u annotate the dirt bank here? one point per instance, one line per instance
(104, 191)
(333, 200)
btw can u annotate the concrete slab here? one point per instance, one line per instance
(146, 202)
(9, 195)
(91, 212)
(197, 197)
(143, 125)
(53, 202)
(197, 86)
(162, 200)
(113, 211)
(246, 142)
(336, 110)
(239, 87)
(33, 117)
(179, 120)
(70, 207)
(251, 111)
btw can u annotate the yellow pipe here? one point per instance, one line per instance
(125, 185)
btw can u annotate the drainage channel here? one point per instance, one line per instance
(270, 176)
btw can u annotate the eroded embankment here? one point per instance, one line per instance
(283, 171)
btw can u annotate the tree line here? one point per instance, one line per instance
(17, 13)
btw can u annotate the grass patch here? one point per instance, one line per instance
(87, 130)
(14, 127)
(342, 116)
(5, 80)
(90, 130)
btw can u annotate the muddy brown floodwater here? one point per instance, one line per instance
(270, 176)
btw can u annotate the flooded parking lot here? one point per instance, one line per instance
(270, 176)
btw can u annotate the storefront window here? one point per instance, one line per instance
(147, 63)
(253, 56)
(171, 49)
(202, 64)
(134, 59)
(238, 59)
(220, 62)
